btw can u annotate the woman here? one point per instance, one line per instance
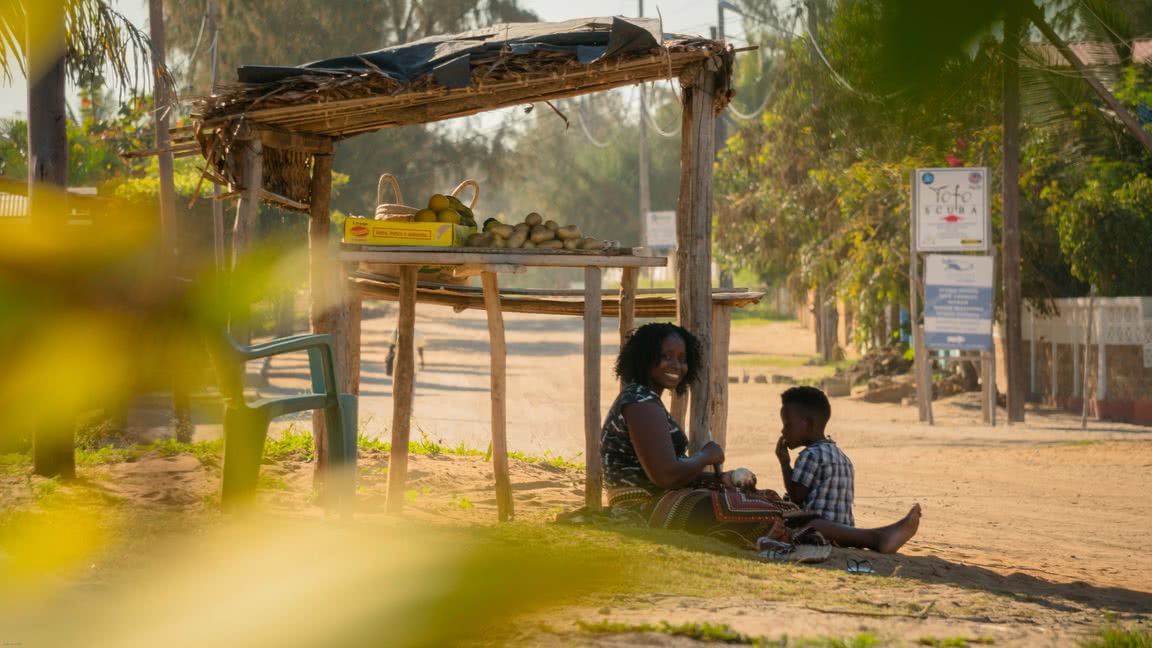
(647, 467)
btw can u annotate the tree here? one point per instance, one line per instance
(49, 37)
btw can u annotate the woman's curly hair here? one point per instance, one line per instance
(642, 352)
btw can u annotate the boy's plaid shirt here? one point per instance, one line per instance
(827, 473)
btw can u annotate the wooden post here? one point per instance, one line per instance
(628, 280)
(694, 232)
(53, 452)
(498, 353)
(355, 329)
(1010, 237)
(321, 267)
(244, 228)
(402, 389)
(593, 475)
(721, 331)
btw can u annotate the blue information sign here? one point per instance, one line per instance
(958, 297)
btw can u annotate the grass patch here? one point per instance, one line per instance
(107, 455)
(769, 361)
(208, 453)
(1116, 637)
(15, 463)
(761, 313)
(267, 481)
(955, 642)
(546, 458)
(293, 445)
(430, 447)
(723, 633)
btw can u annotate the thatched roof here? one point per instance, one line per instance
(305, 108)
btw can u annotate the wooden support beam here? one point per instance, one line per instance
(324, 282)
(499, 397)
(628, 280)
(287, 140)
(402, 390)
(718, 403)
(647, 307)
(244, 228)
(284, 201)
(593, 474)
(694, 232)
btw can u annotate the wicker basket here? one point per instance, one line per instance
(475, 191)
(392, 211)
(399, 211)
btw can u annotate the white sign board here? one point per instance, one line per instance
(958, 299)
(660, 229)
(950, 210)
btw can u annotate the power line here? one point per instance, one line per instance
(584, 127)
(836, 75)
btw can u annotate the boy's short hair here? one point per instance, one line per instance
(811, 400)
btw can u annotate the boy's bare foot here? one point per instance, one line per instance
(893, 536)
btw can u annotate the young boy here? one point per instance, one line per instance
(822, 480)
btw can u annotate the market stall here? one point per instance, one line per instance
(269, 137)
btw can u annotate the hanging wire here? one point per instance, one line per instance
(199, 36)
(836, 75)
(675, 132)
(749, 116)
(584, 126)
(759, 78)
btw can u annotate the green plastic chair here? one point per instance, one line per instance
(246, 423)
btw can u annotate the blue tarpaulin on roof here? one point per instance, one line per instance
(448, 58)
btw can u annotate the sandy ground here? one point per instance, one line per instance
(1050, 521)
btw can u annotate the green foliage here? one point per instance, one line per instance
(1104, 233)
(208, 452)
(955, 642)
(547, 458)
(815, 194)
(293, 445)
(106, 455)
(722, 633)
(99, 431)
(1114, 636)
(267, 481)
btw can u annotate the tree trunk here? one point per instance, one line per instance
(1010, 237)
(169, 228)
(53, 451)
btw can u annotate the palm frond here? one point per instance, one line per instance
(99, 39)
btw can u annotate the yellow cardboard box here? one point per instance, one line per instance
(366, 231)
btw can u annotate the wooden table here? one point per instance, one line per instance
(488, 263)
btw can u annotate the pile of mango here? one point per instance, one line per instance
(446, 209)
(534, 232)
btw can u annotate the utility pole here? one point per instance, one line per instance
(1010, 236)
(726, 280)
(217, 205)
(645, 198)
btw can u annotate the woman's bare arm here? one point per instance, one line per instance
(648, 428)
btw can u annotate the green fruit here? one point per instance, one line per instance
(489, 223)
(449, 216)
(425, 216)
(464, 210)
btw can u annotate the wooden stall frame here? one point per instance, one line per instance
(235, 137)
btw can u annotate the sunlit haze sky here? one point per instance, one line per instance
(682, 16)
